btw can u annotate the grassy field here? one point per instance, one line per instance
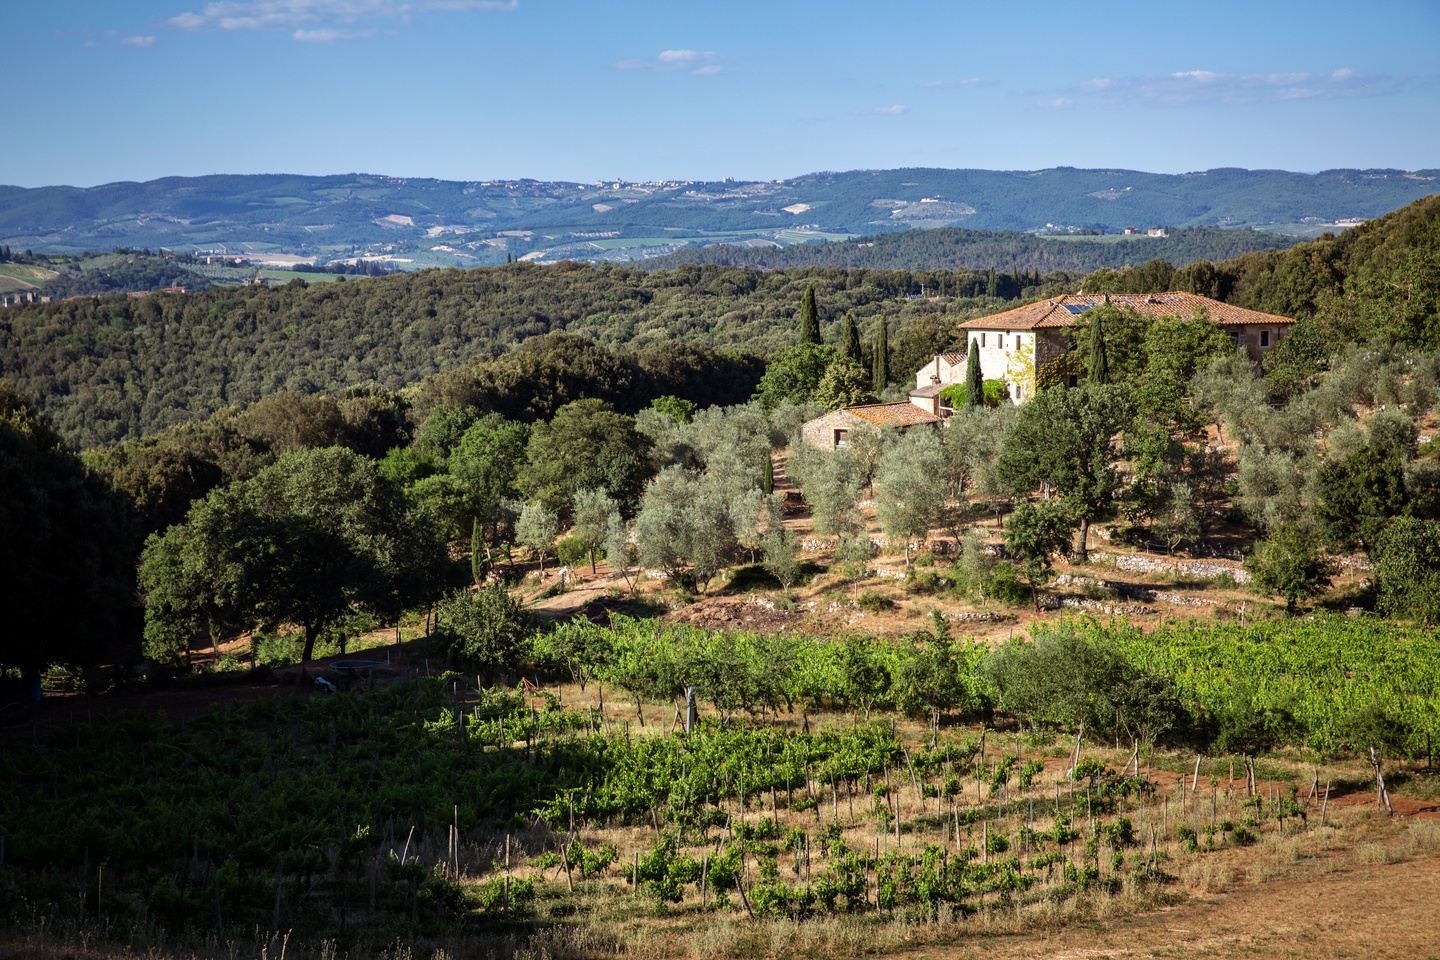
(19, 276)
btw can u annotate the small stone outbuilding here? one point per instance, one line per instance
(837, 428)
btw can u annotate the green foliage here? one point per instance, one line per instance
(880, 356)
(685, 527)
(910, 492)
(1289, 562)
(585, 446)
(1098, 366)
(595, 512)
(957, 395)
(314, 535)
(536, 528)
(486, 630)
(1072, 677)
(1034, 534)
(678, 409)
(1015, 257)
(850, 339)
(844, 384)
(486, 460)
(873, 601)
(1066, 438)
(809, 317)
(974, 376)
(1359, 492)
(794, 374)
(66, 551)
(781, 549)
(1407, 569)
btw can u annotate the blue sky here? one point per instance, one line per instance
(104, 90)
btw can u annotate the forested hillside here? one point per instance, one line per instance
(952, 247)
(109, 368)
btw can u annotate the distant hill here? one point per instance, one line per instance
(953, 248)
(420, 222)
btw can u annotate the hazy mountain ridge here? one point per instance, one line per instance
(427, 221)
(955, 247)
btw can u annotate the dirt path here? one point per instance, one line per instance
(1380, 910)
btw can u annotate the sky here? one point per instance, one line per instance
(107, 90)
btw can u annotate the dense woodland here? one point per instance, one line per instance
(108, 368)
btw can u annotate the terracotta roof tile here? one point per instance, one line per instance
(1065, 311)
(904, 414)
(932, 390)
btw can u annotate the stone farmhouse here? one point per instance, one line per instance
(1013, 345)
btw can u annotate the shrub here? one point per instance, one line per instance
(1289, 563)
(572, 550)
(1064, 677)
(1005, 586)
(957, 395)
(487, 629)
(924, 582)
(872, 601)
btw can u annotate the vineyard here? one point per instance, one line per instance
(913, 782)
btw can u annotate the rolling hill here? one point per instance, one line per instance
(419, 222)
(954, 247)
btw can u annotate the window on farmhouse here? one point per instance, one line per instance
(1264, 338)
(842, 438)
(982, 339)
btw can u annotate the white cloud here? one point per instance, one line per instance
(893, 110)
(699, 63)
(1056, 103)
(137, 41)
(1199, 87)
(332, 35)
(321, 21)
(954, 84)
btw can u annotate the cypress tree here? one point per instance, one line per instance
(767, 482)
(974, 378)
(880, 362)
(1099, 362)
(850, 339)
(809, 317)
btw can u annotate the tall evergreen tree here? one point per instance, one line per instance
(1099, 361)
(880, 362)
(974, 378)
(809, 317)
(850, 339)
(767, 482)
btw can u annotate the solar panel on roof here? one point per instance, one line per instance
(1077, 307)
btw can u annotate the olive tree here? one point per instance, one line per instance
(536, 529)
(910, 491)
(685, 528)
